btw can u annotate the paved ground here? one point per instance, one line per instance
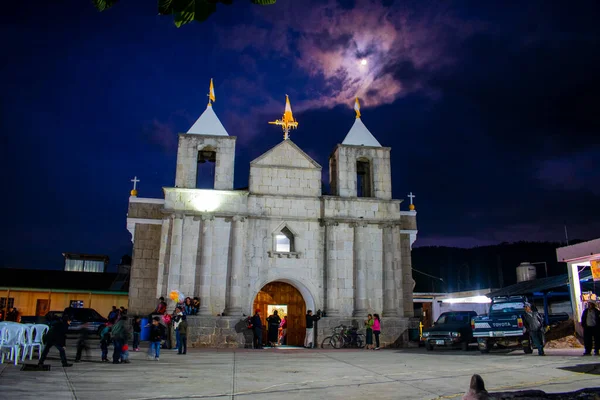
(301, 374)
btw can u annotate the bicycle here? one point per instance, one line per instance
(347, 337)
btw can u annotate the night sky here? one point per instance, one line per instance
(491, 109)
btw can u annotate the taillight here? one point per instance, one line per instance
(520, 322)
(472, 324)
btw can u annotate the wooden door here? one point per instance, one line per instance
(41, 307)
(285, 294)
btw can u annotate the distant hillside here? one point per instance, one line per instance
(481, 267)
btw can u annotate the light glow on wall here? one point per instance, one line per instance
(473, 299)
(207, 201)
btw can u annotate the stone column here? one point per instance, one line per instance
(176, 253)
(360, 274)
(390, 308)
(234, 291)
(163, 257)
(332, 275)
(206, 264)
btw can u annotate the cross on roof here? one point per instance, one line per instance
(411, 196)
(135, 180)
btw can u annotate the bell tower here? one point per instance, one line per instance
(208, 148)
(360, 166)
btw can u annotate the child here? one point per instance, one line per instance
(104, 341)
(156, 335)
(125, 354)
(136, 333)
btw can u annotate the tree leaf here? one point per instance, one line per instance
(264, 2)
(102, 5)
(203, 10)
(165, 7)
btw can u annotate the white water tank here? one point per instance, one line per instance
(526, 272)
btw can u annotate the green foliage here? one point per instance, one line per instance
(102, 5)
(184, 11)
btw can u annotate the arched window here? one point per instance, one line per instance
(205, 173)
(364, 178)
(284, 241)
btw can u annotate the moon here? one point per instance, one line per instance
(363, 61)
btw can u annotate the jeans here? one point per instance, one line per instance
(537, 338)
(61, 351)
(154, 349)
(182, 344)
(376, 333)
(177, 339)
(118, 344)
(257, 340)
(591, 338)
(104, 349)
(136, 340)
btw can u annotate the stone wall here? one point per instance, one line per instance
(137, 209)
(231, 332)
(144, 269)
(187, 159)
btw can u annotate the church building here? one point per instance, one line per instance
(278, 244)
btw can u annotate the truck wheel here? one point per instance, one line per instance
(485, 348)
(428, 346)
(464, 346)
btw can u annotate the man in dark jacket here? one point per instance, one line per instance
(57, 337)
(590, 321)
(257, 330)
(535, 327)
(310, 321)
(183, 327)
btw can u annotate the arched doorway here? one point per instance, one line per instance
(284, 294)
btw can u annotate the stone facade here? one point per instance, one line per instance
(348, 255)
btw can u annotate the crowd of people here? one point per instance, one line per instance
(12, 315)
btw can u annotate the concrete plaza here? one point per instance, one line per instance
(301, 374)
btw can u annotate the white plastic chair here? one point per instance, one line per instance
(13, 338)
(34, 339)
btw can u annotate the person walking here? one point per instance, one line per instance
(376, 329)
(534, 323)
(590, 321)
(257, 330)
(57, 337)
(156, 336)
(105, 341)
(310, 324)
(369, 330)
(82, 342)
(183, 328)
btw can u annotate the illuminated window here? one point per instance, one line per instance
(284, 241)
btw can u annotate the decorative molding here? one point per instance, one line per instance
(409, 213)
(279, 254)
(146, 221)
(147, 200)
(324, 222)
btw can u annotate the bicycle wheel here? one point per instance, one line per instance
(326, 343)
(360, 341)
(337, 341)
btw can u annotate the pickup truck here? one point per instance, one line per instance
(503, 326)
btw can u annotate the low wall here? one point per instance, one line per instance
(231, 332)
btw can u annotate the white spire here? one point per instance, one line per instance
(359, 135)
(208, 124)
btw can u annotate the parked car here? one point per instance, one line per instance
(503, 326)
(452, 329)
(85, 318)
(81, 318)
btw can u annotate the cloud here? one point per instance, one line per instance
(327, 41)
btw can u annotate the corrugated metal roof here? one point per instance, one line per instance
(55, 279)
(540, 285)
